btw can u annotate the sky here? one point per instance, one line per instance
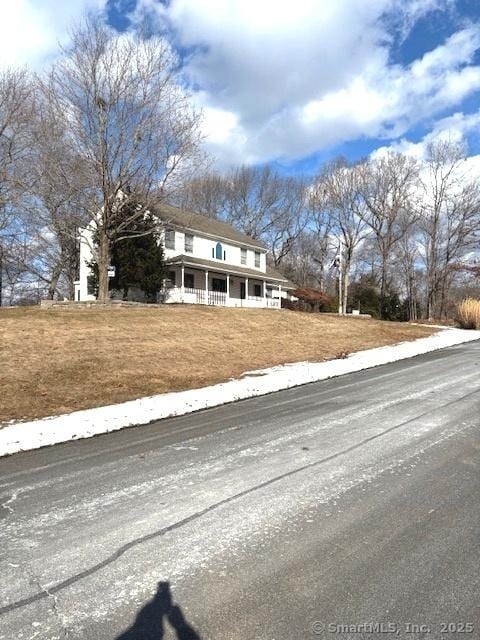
(296, 83)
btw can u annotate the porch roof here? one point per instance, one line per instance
(209, 265)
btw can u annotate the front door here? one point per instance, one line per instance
(242, 291)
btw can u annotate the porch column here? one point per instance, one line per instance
(182, 287)
(279, 296)
(206, 287)
(227, 299)
(264, 293)
(246, 292)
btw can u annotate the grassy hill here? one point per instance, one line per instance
(58, 360)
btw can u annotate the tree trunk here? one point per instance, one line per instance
(345, 287)
(52, 286)
(103, 264)
(430, 295)
(432, 299)
(383, 287)
(432, 277)
(443, 295)
(70, 287)
(412, 296)
(71, 269)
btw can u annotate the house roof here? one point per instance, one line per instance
(204, 224)
(219, 267)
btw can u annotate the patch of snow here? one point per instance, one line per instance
(90, 422)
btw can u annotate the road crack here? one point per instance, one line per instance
(34, 580)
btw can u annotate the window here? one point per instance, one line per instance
(171, 276)
(257, 259)
(188, 243)
(169, 239)
(219, 253)
(189, 281)
(218, 284)
(257, 290)
(243, 256)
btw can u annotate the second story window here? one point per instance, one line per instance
(188, 243)
(169, 239)
(219, 252)
(243, 256)
(257, 259)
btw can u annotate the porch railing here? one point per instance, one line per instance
(198, 294)
(217, 298)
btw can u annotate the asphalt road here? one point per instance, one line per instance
(343, 509)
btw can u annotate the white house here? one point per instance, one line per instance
(208, 262)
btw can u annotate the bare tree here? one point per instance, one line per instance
(205, 194)
(266, 206)
(449, 219)
(53, 200)
(316, 241)
(129, 122)
(290, 223)
(337, 195)
(323, 243)
(309, 262)
(15, 110)
(408, 259)
(19, 280)
(387, 187)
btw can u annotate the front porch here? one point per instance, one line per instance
(195, 286)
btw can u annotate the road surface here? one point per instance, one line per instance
(347, 508)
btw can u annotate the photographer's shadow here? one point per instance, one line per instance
(149, 623)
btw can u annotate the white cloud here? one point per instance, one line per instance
(454, 128)
(261, 55)
(30, 30)
(281, 80)
(386, 100)
(219, 124)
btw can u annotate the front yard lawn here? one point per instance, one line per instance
(57, 360)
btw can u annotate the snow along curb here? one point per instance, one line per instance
(90, 422)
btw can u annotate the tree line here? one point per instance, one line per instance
(409, 228)
(108, 133)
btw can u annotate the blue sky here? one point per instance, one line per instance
(297, 83)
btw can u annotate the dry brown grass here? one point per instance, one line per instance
(469, 314)
(57, 360)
